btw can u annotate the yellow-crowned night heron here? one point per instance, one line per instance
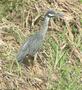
(33, 44)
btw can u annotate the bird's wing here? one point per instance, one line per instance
(35, 44)
(30, 47)
(24, 49)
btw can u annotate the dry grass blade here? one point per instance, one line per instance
(34, 21)
(54, 26)
(69, 31)
(76, 51)
(29, 21)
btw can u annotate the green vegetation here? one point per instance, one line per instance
(81, 1)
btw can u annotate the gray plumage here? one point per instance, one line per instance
(34, 42)
(30, 47)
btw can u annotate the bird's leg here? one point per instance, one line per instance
(35, 58)
(40, 57)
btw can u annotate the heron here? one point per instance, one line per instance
(32, 45)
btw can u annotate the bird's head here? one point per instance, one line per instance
(51, 13)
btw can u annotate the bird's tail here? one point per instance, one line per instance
(20, 56)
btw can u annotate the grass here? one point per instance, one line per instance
(80, 1)
(69, 75)
(60, 67)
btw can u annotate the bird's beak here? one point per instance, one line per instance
(61, 15)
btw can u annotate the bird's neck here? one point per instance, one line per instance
(44, 26)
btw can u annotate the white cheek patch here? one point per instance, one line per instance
(51, 15)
